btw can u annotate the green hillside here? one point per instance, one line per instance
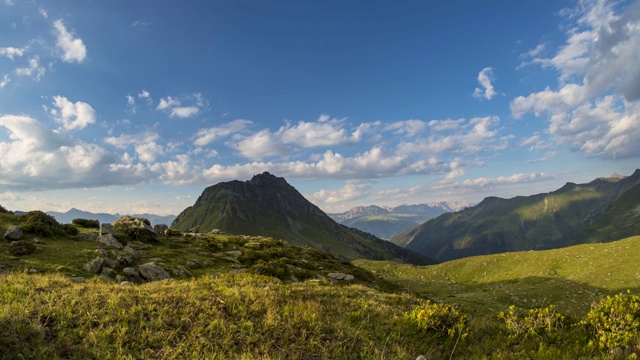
(570, 278)
(268, 206)
(602, 210)
(248, 297)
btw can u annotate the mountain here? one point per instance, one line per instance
(385, 222)
(605, 209)
(267, 205)
(67, 217)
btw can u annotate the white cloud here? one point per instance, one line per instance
(34, 69)
(131, 101)
(258, 146)
(352, 190)
(407, 127)
(443, 125)
(596, 108)
(43, 12)
(144, 145)
(144, 94)
(207, 136)
(483, 182)
(73, 49)
(5, 81)
(71, 115)
(485, 77)
(38, 158)
(174, 106)
(11, 52)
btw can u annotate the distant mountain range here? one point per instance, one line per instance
(385, 221)
(267, 205)
(605, 209)
(67, 217)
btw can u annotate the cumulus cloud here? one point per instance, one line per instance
(34, 69)
(207, 136)
(72, 115)
(175, 108)
(72, 48)
(595, 109)
(407, 127)
(11, 52)
(352, 190)
(144, 145)
(484, 182)
(36, 157)
(485, 77)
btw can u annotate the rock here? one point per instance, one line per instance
(193, 263)
(101, 251)
(13, 233)
(107, 229)
(126, 283)
(33, 271)
(136, 228)
(108, 272)
(234, 253)
(237, 271)
(21, 247)
(110, 263)
(105, 278)
(294, 278)
(157, 259)
(133, 274)
(152, 272)
(110, 241)
(180, 271)
(120, 278)
(160, 228)
(94, 266)
(216, 231)
(340, 276)
(422, 357)
(78, 279)
(125, 259)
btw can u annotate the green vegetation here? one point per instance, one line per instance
(87, 223)
(602, 210)
(248, 297)
(387, 225)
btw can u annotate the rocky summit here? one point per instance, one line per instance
(267, 205)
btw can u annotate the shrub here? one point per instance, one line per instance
(614, 321)
(70, 229)
(545, 324)
(86, 223)
(39, 223)
(438, 318)
(4, 211)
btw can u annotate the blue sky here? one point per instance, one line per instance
(137, 106)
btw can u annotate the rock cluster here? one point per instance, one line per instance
(13, 233)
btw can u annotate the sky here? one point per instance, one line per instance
(138, 106)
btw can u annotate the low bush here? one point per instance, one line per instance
(70, 229)
(38, 223)
(4, 211)
(438, 318)
(614, 321)
(545, 324)
(86, 223)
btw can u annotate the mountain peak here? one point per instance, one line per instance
(266, 178)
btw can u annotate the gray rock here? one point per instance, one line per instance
(105, 278)
(160, 228)
(108, 272)
(94, 266)
(13, 233)
(120, 278)
(234, 253)
(33, 271)
(216, 231)
(422, 357)
(133, 274)
(193, 263)
(101, 251)
(340, 276)
(152, 272)
(78, 279)
(21, 247)
(136, 228)
(107, 229)
(126, 283)
(110, 241)
(238, 271)
(110, 263)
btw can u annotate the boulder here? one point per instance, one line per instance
(107, 229)
(110, 241)
(13, 233)
(160, 228)
(21, 247)
(87, 237)
(340, 276)
(152, 272)
(136, 229)
(133, 274)
(94, 266)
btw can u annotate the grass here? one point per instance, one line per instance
(273, 300)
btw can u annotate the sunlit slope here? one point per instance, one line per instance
(602, 210)
(570, 278)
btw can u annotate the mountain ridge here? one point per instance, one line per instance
(267, 205)
(559, 218)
